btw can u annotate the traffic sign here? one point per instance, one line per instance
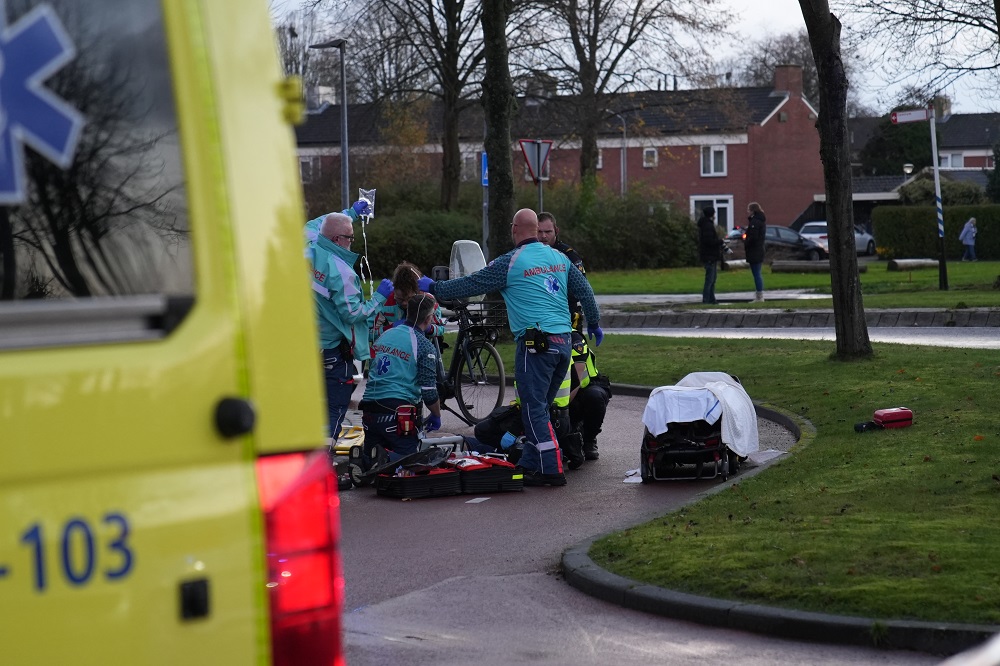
(485, 171)
(898, 117)
(536, 152)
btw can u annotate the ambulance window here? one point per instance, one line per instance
(95, 244)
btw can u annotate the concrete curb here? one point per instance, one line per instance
(938, 638)
(764, 318)
(582, 573)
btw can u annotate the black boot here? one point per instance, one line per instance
(590, 450)
(572, 447)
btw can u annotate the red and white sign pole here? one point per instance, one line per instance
(898, 117)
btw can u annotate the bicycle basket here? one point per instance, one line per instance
(487, 317)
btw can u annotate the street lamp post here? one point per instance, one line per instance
(624, 161)
(345, 184)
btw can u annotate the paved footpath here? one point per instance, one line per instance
(662, 311)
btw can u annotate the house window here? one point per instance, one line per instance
(600, 159)
(545, 170)
(470, 166)
(951, 161)
(649, 158)
(713, 160)
(310, 169)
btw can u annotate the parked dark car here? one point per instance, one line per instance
(780, 243)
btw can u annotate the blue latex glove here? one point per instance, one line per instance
(432, 423)
(362, 207)
(596, 334)
(399, 322)
(426, 284)
(385, 287)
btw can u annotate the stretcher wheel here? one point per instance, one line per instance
(645, 470)
(734, 463)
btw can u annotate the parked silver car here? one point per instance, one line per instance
(864, 242)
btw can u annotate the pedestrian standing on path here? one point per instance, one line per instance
(536, 283)
(709, 251)
(753, 243)
(968, 240)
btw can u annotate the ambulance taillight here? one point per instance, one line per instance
(298, 495)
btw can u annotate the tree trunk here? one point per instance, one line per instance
(498, 104)
(848, 311)
(451, 156)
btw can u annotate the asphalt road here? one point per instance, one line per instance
(475, 580)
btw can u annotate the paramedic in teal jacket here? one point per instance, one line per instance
(403, 371)
(536, 282)
(342, 311)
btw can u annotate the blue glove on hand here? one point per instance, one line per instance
(426, 284)
(596, 334)
(385, 287)
(399, 322)
(362, 207)
(432, 423)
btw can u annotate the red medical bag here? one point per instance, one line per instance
(894, 417)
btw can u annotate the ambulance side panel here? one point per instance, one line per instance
(130, 526)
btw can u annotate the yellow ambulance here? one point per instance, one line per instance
(164, 498)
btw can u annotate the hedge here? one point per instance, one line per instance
(910, 232)
(612, 233)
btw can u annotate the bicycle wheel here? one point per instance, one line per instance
(479, 387)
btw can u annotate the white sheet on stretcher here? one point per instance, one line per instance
(707, 396)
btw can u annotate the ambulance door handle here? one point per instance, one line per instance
(234, 417)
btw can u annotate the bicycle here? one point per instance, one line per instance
(475, 377)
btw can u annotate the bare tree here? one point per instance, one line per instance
(442, 41)
(755, 64)
(594, 48)
(849, 315)
(943, 40)
(294, 33)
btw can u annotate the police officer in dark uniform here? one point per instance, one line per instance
(548, 233)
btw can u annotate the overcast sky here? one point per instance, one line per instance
(776, 17)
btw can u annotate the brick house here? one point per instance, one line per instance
(720, 146)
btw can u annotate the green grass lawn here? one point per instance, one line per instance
(894, 524)
(970, 285)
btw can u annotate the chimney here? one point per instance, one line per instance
(788, 79)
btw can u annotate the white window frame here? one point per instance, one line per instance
(470, 167)
(711, 152)
(310, 169)
(948, 160)
(546, 170)
(721, 202)
(600, 159)
(650, 158)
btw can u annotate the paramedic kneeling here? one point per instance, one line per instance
(536, 282)
(404, 370)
